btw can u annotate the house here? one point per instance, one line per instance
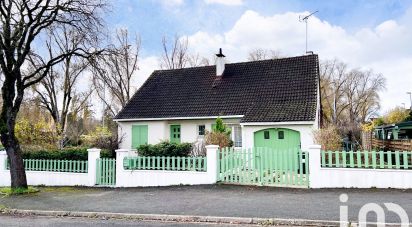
(267, 103)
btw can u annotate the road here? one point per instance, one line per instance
(215, 200)
(31, 221)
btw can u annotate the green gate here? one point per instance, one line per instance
(264, 166)
(106, 171)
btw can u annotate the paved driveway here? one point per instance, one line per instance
(213, 200)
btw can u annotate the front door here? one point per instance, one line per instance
(175, 133)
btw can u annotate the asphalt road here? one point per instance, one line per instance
(215, 200)
(30, 221)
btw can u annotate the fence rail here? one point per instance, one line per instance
(165, 163)
(367, 159)
(71, 166)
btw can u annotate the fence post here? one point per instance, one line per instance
(314, 166)
(212, 162)
(93, 155)
(120, 155)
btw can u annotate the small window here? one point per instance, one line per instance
(201, 130)
(281, 135)
(266, 135)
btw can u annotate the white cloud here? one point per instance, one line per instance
(171, 3)
(225, 2)
(146, 67)
(384, 48)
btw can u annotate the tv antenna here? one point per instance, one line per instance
(305, 19)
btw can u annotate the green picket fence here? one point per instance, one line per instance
(165, 163)
(367, 159)
(106, 171)
(71, 166)
(264, 166)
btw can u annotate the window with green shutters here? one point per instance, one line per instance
(139, 135)
(175, 133)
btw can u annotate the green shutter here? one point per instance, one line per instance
(213, 127)
(175, 133)
(139, 135)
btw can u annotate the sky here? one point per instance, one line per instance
(367, 34)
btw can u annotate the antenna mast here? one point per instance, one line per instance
(305, 19)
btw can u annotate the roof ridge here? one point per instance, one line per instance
(240, 62)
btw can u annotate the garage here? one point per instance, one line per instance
(277, 138)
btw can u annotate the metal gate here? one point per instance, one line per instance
(106, 171)
(264, 166)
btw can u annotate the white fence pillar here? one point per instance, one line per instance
(4, 173)
(120, 176)
(212, 162)
(315, 177)
(3, 159)
(93, 155)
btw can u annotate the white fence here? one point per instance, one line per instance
(52, 178)
(144, 178)
(321, 177)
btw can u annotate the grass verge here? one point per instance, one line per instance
(7, 191)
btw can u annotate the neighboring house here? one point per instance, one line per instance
(268, 103)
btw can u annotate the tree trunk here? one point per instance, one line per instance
(12, 146)
(17, 172)
(10, 108)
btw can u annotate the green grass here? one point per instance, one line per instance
(7, 191)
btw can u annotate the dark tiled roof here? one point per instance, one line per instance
(263, 91)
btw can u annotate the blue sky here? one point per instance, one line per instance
(154, 18)
(373, 35)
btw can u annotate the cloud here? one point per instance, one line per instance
(383, 48)
(171, 3)
(225, 2)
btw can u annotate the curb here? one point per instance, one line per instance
(174, 218)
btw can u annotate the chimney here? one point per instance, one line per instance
(220, 63)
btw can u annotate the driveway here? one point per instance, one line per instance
(214, 200)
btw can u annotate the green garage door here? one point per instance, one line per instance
(277, 138)
(139, 135)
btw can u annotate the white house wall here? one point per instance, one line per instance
(306, 133)
(160, 130)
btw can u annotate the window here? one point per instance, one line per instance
(237, 135)
(201, 130)
(266, 135)
(281, 135)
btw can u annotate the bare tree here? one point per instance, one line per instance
(175, 55)
(115, 71)
(23, 23)
(195, 60)
(349, 97)
(57, 90)
(263, 54)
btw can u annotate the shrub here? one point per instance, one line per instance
(102, 138)
(72, 153)
(218, 138)
(329, 138)
(220, 135)
(165, 149)
(36, 133)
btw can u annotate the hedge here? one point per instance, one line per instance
(73, 153)
(166, 149)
